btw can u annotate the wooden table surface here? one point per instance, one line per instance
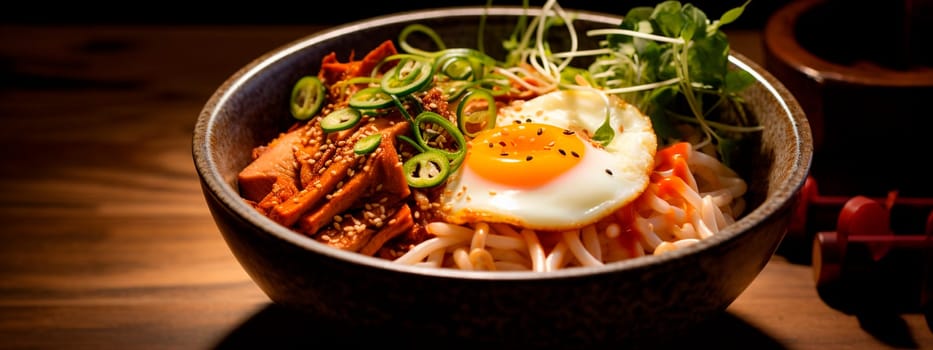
(106, 242)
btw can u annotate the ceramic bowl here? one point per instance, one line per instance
(630, 301)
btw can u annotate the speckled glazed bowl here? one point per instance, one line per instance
(627, 302)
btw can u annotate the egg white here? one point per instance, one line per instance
(605, 179)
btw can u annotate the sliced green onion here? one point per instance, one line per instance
(496, 84)
(426, 169)
(307, 98)
(476, 111)
(343, 84)
(367, 144)
(455, 157)
(453, 89)
(340, 119)
(370, 98)
(378, 71)
(408, 76)
(414, 144)
(403, 36)
(457, 68)
(415, 104)
(463, 63)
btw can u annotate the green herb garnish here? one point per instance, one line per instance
(671, 61)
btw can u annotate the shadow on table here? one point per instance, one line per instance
(282, 328)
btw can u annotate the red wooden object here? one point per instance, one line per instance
(865, 267)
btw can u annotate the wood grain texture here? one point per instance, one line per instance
(106, 241)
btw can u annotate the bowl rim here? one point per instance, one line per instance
(231, 200)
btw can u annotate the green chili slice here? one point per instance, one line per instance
(476, 112)
(370, 98)
(408, 76)
(307, 98)
(455, 157)
(340, 119)
(367, 144)
(426, 169)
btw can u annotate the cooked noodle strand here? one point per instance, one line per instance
(535, 251)
(576, 248)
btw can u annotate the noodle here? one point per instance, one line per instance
(482, 259)
(505, 242)
(538, 258)
(462, 259)
(572, 240)
(555, 260)
(428, 247)
(508, 256)
(672, 246)
(479, 236)
(591, 242)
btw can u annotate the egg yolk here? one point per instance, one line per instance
(524, 155)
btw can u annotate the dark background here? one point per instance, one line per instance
(273, 12)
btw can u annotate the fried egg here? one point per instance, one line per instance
(540, 169)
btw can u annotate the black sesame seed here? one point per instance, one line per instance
(562, 152)
(504, 154)
(528, 158)
(502, 143)
(490, 145)
(574, 154)
(608, 171)
(528, 120)
(516, 121)
(540, 131)
(568, 132)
